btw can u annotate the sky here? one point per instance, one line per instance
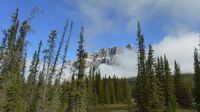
(171, 26)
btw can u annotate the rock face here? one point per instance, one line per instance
(104, 56)
(129, 46)
(108, 56)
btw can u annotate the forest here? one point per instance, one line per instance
(43, 89)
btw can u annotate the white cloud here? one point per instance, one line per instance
(127, 65)
(179, 48)
(116, 15)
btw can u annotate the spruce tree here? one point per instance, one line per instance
(91, 90)
(141, 93)
(12, 80)
(106, 90)
(81, 103)
(160, 79)
(197, 78)
(49, 55)
(169, 88)
(98, 87)
(116, 86)
(53, 71)
(111, 90)
(183, 89)
(154, 98)
(31, 92)
(31, 85)
(72, 94)
(126, 91)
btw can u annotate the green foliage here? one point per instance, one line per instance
(154, 99)
(183, 89)
(147, 92)
(141, 82)
(197, 78)
(169, 88)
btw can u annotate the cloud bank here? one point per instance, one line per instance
(179, 48)
(116, 15)
(127, 65)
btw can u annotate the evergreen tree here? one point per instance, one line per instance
(51, 52)
(126, 91)
(31, 92)
(53, 71)
(31, 84)
(72, 94)
(12, 80)
(183, 89)
(106, 91)
(169, 88)
(111, 90)
(141, 86)
(154, 100)
(100, 95)
(81, 86)
(49, 55)
(91, 90)
(159, 74)
(63, 96)
(197, 78)
(98, 87)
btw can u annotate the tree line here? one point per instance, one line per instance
(107, 90)
(42, 88)
(157, 89)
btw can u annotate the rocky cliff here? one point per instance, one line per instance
(108, 56)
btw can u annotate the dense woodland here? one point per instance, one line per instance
(43, 88)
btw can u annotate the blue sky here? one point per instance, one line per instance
(110, 23)
(57, 12)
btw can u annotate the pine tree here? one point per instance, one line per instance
(154, 100)
(141, 82)
(169, 88)
(72, 94)
(12, 32)
(111, 90)
(49, 55)
(39, 90)
(31, 84)
(98, 87)
(100, 95)
(63, 96)
(106, 91)
(53, 71)
(12, 66)
(183, 89)
(91, 90)
(126, 91)
(31, 92)
(197, 78)
(116, 86)
(81, 105)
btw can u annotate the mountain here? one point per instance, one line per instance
(109, 56)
